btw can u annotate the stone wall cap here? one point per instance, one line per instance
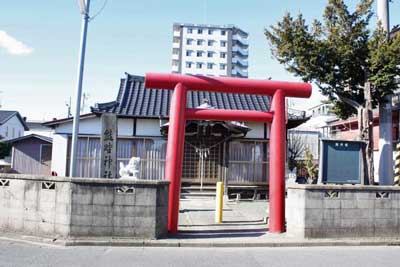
(344, 187)
(81, 180)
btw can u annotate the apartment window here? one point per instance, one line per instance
(176, 39)
(175, 63)
(200, 42)
(199, 65)
(222, 66)
(189, 41)
(199, 31)
(189, 53)
(222, 55)
(210, 42)
(199, 53)
(223, 32)
(210, 31)
(210, 54)
(188, 65)
(210, 66)
(175, 51)
(189, 30)
(223, 43)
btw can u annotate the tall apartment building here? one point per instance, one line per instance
(210, 50)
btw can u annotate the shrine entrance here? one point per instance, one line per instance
(180, 114)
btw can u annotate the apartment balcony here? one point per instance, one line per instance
(176, 45)
(175, 56)
(241, 51)
(175, 68)
(177, 34)
(242, 40)
(237, 72)
(241, 62)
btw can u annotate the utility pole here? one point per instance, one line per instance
(84, 7)
(385, 157)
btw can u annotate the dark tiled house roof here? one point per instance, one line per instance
(134, 100)
(5, 115)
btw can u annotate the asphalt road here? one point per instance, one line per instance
(27, 254)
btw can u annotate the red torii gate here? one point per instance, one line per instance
(179, 113)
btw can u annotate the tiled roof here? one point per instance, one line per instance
(134, 100)
(5, 115)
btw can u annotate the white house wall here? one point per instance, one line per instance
(13, 128)
(148, 127)
(59, 154)
(257, 130)
(92, 126)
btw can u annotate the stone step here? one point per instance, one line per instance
(197, 195)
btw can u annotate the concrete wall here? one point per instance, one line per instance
(78, 208)
(318, 211)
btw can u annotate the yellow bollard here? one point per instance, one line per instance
(219, 202)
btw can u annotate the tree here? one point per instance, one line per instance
(341, 56)
(295, 148)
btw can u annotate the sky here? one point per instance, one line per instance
(39, 45)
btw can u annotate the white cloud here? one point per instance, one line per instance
(12, 45)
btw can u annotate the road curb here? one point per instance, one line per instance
(197, 244)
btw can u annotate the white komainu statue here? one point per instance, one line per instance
(131, 170)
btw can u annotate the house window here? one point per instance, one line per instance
(189, 41)
(199, 31)
(199, 65)
(210, 54)
(6, 131)
(199, 53)
(210, 66)
(210, 31)
(210, 42)
(223, 43)
(151, 152)
(222, 55)
(222, 66)
(188, 65)
(189, 30)
(200, 42)
(189, 53)
(223, 32)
